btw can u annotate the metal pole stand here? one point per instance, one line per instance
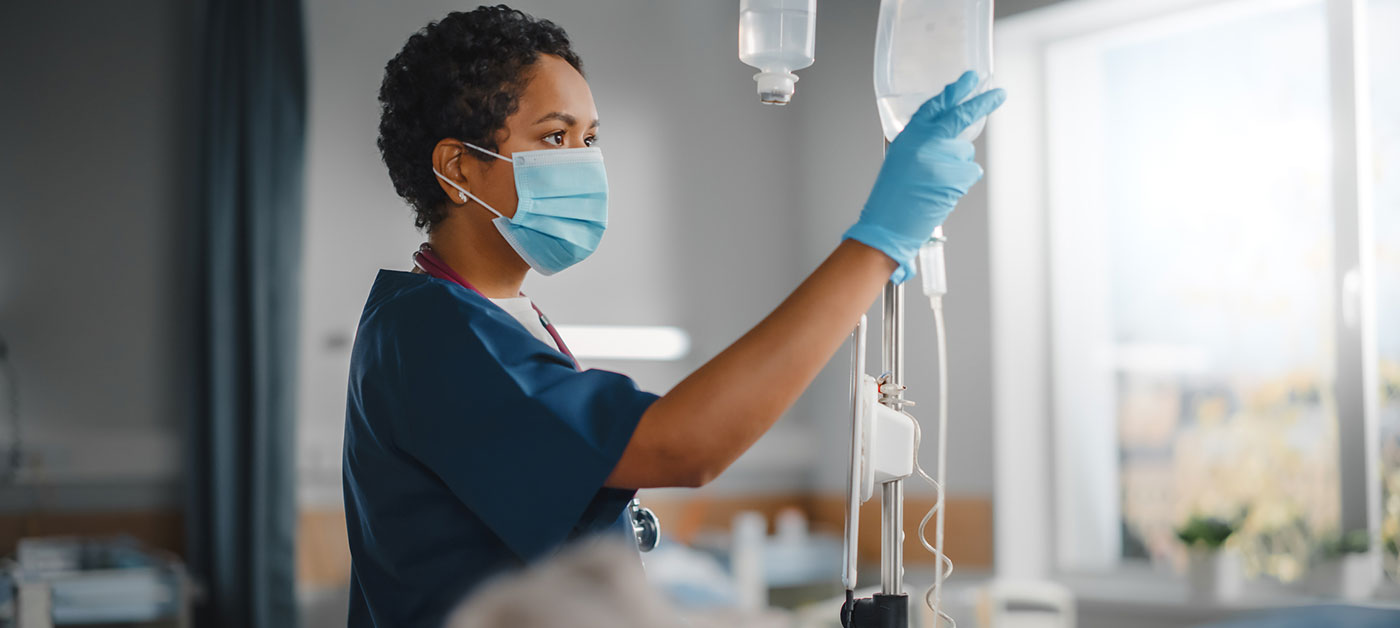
(890, 607)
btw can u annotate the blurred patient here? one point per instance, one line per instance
(594, 585)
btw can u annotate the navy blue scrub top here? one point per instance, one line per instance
(471, 448)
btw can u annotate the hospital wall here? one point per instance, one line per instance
(95, 164)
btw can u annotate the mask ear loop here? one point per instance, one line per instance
(496, 155)
(463, 194)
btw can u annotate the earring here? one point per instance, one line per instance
(463, 196)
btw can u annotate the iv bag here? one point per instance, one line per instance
(922, 46)
(778, 37)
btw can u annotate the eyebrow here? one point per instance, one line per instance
(565, 118)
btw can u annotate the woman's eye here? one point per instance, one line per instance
(556, 139)
(591, 140)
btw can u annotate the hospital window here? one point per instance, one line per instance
(1192, 263)
(1385, 103)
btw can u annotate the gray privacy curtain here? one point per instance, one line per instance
(252, 117)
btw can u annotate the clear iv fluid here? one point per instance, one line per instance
(778, 37)
(922, 46)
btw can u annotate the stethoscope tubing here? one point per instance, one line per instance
(425, 260)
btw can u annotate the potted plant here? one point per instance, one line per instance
(1392, 559)
(1212, 569)
(1344, 567)
(1390, 515)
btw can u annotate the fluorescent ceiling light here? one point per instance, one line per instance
(626, 342)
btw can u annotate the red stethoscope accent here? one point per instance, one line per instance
(433, 266)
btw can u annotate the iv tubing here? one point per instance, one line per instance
(935, 286)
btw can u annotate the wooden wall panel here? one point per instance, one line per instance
(323, 555)
(323, 549)
(159, 529)
(967, 529)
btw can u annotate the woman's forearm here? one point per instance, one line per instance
(719, 411)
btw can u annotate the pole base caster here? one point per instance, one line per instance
(880, 611)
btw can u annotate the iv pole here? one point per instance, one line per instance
(889, 608)
(892, 395)
(892, 600)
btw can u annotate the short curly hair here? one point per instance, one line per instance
(459, 77)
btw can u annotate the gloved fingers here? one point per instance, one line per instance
(953, 122)
(951, 95)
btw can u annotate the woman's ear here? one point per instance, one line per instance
(447, 162)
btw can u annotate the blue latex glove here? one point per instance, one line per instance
(926, 171)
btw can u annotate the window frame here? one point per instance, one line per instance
(1030, 538)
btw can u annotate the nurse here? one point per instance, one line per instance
(473, 442)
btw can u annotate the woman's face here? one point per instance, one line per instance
(555, 110)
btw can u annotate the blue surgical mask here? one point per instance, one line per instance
(563, 207)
